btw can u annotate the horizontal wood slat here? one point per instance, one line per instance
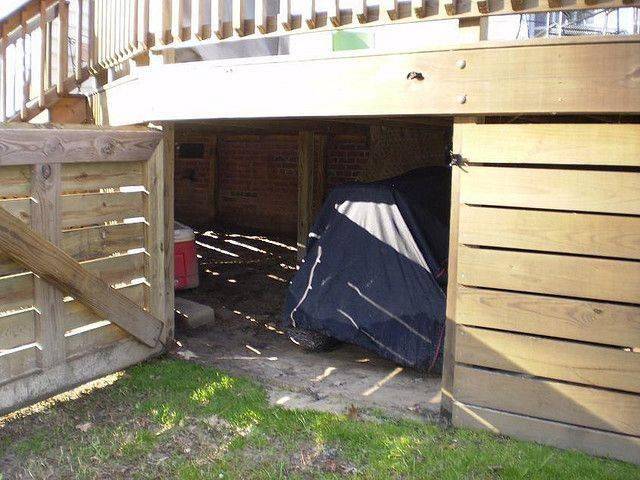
(578, 233)
(86, 210)
(92, 340)
(90, 243)
(15, 181)
(543, 357)
(55, 267)
(77, 315)
(555, 143)
(583, 277)
(553, 189)
(16, 293)
(17, 329)
(87, 177)
(594, 442)
(98, 208)
(596, 322)
(22, 146)
(17, 364)
(551, 400)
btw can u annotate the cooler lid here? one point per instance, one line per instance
(182, 233)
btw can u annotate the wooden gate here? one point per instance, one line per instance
(86, 242)
(544, 289)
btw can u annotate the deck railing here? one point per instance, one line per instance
(49, 46)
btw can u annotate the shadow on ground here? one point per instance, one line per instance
(244, 278)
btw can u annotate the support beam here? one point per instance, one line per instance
(71, 109)
(306, 163)
(457, 81)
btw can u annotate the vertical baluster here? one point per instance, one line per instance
(217, 18)
(121, 30)
(3, 75)
(165, 21)
(391, 7)
(197, 19)
(238, 16)
(79, 15)
(43, 52)
(419, 8)
(26, 68)
(360, 11)
(134, 11)
(261, 17)
(143, 24)
(177, 10)
(309, 14)
(63, 45)
(284, 17)
(90, 33)
(333, 12)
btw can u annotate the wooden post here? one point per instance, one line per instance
(46, 186)
(213, 178)
(319, 175)
(306, 160)
(470, 30)
(43, 53)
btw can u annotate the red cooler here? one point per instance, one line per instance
(186, 262)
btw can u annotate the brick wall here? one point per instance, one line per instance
(257, 182)
(257, 174)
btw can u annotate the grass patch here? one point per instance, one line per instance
(174, 419)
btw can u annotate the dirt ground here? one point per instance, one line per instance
(244, 278)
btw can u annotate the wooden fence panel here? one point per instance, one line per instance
(545, 338)
(54, 333)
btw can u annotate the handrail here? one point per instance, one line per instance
(78, 38)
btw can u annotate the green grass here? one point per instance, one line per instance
(173, 419)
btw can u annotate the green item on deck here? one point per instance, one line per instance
(343, 40)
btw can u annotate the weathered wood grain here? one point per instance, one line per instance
(90, 177)
(552, 143)
(22, 146)
(15, 181)
(17, 329)
(77, 315)
(46, 183)
(18, 364)
(561, 435)
(56, 267)
(90, 243)
(575, 362)
(16, 293)
(579, 233)
(597, 322)
(551, 400)
(573, 276)
(554, 189)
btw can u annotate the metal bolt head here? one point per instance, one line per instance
(462, 99)
(461, 63)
